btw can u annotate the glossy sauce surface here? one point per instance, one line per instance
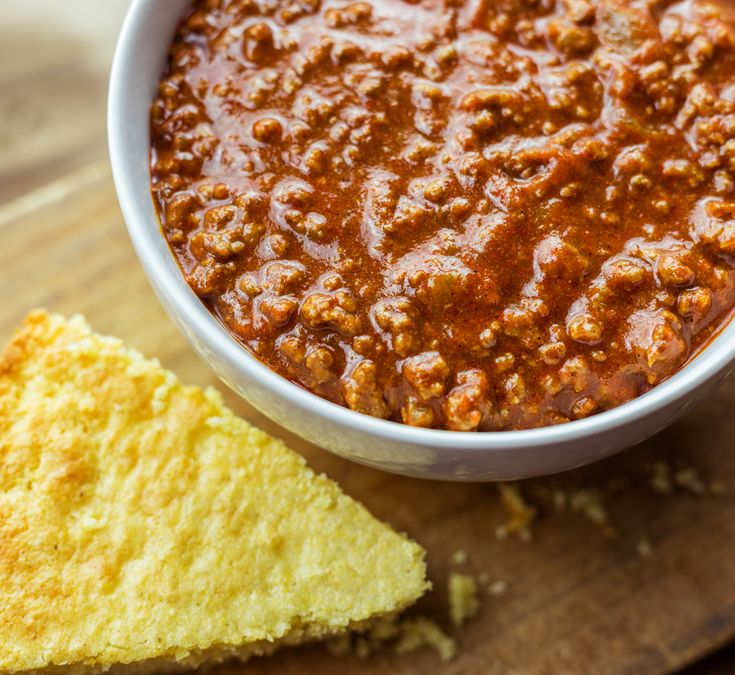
(464, 215)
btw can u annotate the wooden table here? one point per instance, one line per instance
(652, 593)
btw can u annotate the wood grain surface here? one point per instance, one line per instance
(580, 599)
(54, 58)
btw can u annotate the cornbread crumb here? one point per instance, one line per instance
(664, 479)
(143, 525)
(688, 479)
(419, 632)
(497, 588)
(644, 548)
(590, 504)
(460, 557)
(521, 514)
(559, 499)
(660, 478)
(403, 634)
(378, 633)
(463, 600)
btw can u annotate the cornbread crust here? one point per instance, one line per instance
(143, 524)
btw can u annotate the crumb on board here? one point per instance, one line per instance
(660, 478)
(402, 634)
(377, 634)
(497, 588)
(463, 600)
(644, 548)
(406, 634)
(559, 499)
(419, 632)
(521, 514)
(688, 478)
(589, 503)
(460, 557)
(665, 478)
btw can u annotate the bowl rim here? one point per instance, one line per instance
(147, 237)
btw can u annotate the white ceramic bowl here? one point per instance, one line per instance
(138, 65)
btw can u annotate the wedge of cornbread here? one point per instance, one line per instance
(144, 526)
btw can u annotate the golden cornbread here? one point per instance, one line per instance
(143, 523)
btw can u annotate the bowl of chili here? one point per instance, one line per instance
(477, 243)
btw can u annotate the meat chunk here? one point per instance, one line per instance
(427, 374)
(623, 27)
(468, 403)
(657, 339)
(397, 316)
(362, 391)
(417, 414)
(319, 310)
(713, 223)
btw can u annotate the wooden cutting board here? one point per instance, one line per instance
(580, 598)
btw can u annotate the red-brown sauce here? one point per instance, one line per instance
(489, 214)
